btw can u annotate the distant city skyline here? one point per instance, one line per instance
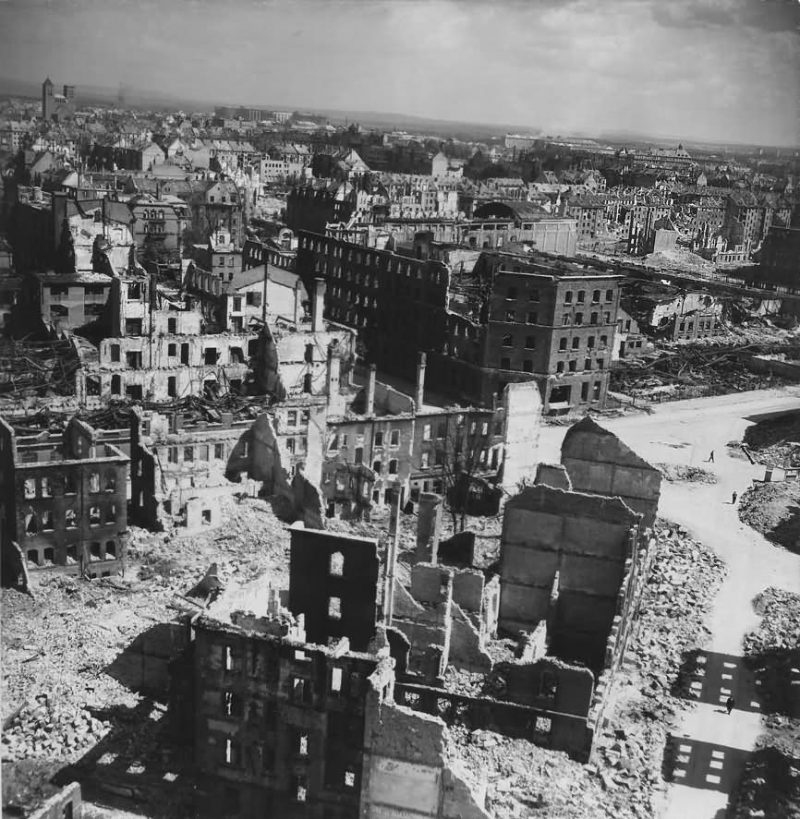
(703, 70)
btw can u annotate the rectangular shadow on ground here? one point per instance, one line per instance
(703, 764)
(711, 677)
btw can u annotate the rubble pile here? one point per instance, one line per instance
(57, 645)
(624, 776)
(695, 370)
(774, 649)
(686, 474)
(684, 578)
(770, 785)
(776, 441)
(769, 508)
(44, 728)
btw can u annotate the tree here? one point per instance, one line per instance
(467, 459)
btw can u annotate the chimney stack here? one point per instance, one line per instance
(429, 523)
(318, 306)
(423, 360)
(370, 410)
(334, 374)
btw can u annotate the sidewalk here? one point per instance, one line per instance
(709, 763)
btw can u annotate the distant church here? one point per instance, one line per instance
(57, 106)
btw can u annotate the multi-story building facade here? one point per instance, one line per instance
(159, 224)
(589, 212)
(504, 321)
(63, 500)
(382, 295)
(517, 318)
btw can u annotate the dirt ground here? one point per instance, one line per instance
(774, 510)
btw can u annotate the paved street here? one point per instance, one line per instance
(711, 747)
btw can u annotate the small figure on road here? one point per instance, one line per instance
(711, 457)
(733, 498)
(729, 704)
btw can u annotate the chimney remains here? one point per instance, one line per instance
(318, 306)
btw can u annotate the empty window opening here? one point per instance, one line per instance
(300, 788)
(49, 556)
(30, 488)
(298, 689)
(69, 518)
(31, 524)
(111, 550)
(336, 679)
(336, 564)
(231, 704)
(349, 779)
(94, 551)
(307, 382)
(541, 732)
(302, 747)
(335, 608)
(47, 520)
(228, 658)
(33, 556)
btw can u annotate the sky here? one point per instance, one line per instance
(714, 70)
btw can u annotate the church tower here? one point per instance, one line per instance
(47, 100)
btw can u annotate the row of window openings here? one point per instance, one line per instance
(233, 758)
(47, 556)
(567, 318)
(43, 488)
(292, 417)
(203, 451)
(533, 295)
(34, 523)
(572, 365)
(339, 441)
(134, 358)
(701, 325)
(299, 687)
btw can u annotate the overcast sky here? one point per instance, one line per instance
(726, 70)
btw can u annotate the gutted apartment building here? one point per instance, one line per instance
(518, 318)
(513, 317)
(293, 704)
(155, 348)
(63, 500)
(381, 295)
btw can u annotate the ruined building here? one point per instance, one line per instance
(294, 713)
(329, 700)
(63, 501)
(515, 317)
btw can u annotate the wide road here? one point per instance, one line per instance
(712, 747)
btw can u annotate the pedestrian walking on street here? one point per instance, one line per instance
(711, 457)
(733, 498)
(729, 704)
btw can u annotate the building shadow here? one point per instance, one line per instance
(710, 677)
(786, 532)
(769, 785)
(140, 765)
(143, 665)
(703, 764)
